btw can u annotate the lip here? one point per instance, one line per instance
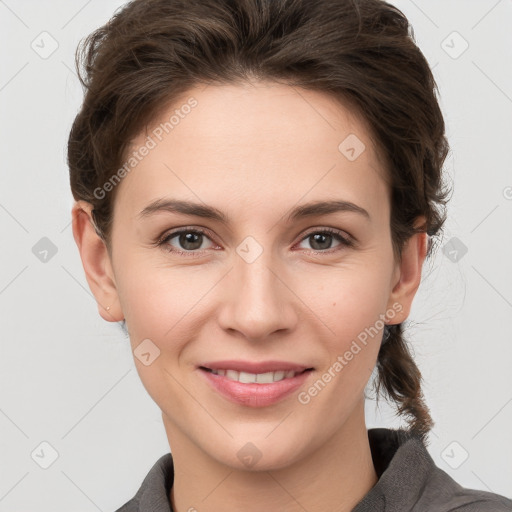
(253, 394)
(253, 367)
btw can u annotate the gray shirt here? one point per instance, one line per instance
(409, 481)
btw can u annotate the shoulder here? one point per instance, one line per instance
(443, 494)
(410, 481)
(153, 493)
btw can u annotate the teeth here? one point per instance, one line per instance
(232, 374)
(256, 378)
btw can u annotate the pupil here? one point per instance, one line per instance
(187, 239)
(320, 237)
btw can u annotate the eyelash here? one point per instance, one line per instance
(163, 241)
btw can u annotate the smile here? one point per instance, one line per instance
(255, 378)
(255, 389)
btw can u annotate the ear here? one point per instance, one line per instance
(96, 262)
(407, 276)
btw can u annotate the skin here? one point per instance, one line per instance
(255, 151)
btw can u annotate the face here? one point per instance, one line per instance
(265, 277)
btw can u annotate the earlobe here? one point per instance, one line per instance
(96, 262)
(409, 275)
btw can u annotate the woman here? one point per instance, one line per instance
(218, 139)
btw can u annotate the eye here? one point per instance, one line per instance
(322, 239)
(190, 241)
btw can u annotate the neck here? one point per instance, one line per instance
(334, 477)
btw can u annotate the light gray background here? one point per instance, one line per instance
(68, 378)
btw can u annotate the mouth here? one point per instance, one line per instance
(251, 384)
(255, 378)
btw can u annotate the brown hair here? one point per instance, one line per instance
(361, 52)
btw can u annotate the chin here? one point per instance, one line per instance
(259, 455)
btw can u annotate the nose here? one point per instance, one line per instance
(257, 300)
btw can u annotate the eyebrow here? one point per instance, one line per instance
(311, 209)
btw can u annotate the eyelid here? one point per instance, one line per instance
(168, 235)
(177, 231)
(346, 240)
(327, 229)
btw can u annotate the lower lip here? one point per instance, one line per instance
(252, 394)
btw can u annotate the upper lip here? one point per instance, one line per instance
(254, 367)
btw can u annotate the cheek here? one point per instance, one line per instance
(154, 299)
(157, 304)
(352, 304)
(349, 298)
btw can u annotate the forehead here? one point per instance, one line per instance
(258, 142)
